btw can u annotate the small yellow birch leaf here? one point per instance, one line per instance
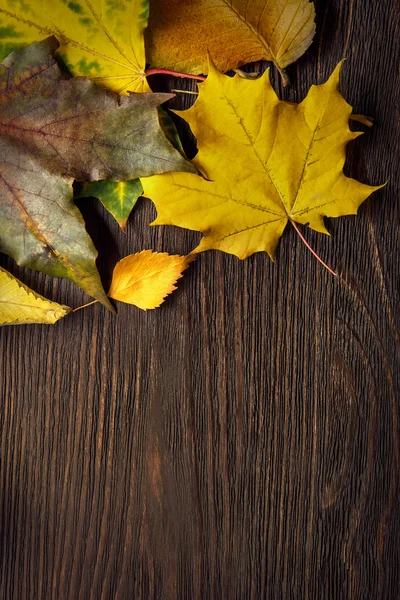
(235, 32)
(20, 305)
(102, 40)
(146, 278)
(267, 163)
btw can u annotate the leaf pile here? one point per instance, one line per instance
(54, 130)
(262, 163)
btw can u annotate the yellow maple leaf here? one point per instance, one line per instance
(267, 162)
(20, 305)
(146, 278)
(235, 33)
(100, 40)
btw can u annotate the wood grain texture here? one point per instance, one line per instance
(242, 441)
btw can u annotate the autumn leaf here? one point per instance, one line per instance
(55, 130)
(20, 305)
(267, 163)
(100, 40)
(146, 278)
(235, 33)
(118, 197)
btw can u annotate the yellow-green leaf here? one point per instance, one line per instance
(118, 197)
(267, 163)
(102, 40)
(235, 32)
(20, 305)
(146, 278)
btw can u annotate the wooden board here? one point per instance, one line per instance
(242, 441)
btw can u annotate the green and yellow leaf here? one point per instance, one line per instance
(20, 305)
(267, 163)
(100, 39)
(118, 197)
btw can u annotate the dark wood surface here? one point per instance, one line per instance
(241, 442)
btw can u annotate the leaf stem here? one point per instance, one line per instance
(303, 239)
(84, 305)
(284, 76)
(184, 92)
(174, 73)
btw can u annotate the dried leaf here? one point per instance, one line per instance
(119, 197)
(53, 131)
(20, 305)
(235, 33)
(146, 278)
(267, 162)
(100, 40)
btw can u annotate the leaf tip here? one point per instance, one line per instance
(337, 70)
(284, 76)
(107, 304)
(212, 67)
(122, 223)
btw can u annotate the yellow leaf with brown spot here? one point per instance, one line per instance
(267, 163)
(146, 278)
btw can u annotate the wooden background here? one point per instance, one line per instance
(241, 442)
